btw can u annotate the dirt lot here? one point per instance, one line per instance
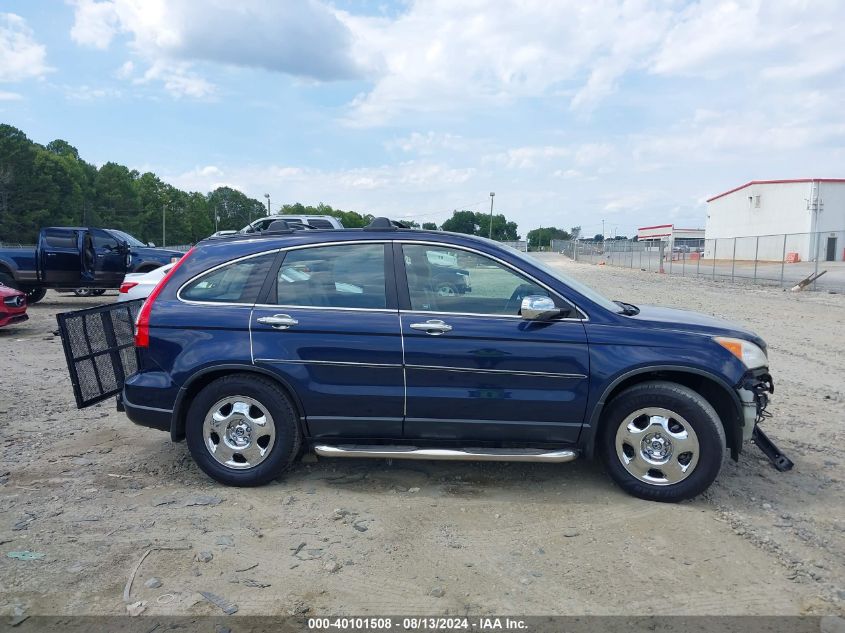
(92, 493)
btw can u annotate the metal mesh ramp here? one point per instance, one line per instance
(99, 346)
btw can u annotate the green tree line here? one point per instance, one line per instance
(478, 223)
(50, 185)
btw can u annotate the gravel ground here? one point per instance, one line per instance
(90, 495)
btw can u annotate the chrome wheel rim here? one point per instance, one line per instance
(239, 432)
(657, 446)
(446, 291)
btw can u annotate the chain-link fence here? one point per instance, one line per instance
(520, 245)
(782, 260)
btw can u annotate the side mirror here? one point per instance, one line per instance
(151, 244)
(539, 308)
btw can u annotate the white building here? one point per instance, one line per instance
(670, 233)
(772, 218)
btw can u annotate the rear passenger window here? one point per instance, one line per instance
(340, 276)
(238, 282)
(60, 238)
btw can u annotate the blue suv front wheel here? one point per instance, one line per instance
(242, 430)
(662, 441)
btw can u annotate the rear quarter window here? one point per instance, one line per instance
(58, 238)
(237, 282)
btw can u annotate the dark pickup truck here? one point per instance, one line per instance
(78, 257)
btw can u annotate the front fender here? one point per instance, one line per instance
(588, 436)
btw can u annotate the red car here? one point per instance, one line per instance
(12, 306)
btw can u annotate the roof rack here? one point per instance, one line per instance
(278, 226)
(385, 224)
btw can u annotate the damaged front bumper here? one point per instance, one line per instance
(754, 392)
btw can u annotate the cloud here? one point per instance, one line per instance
(21, 57)
(304, 38)
(441, 55)
(91, 93)
(10, 96)
(95, 23)
(427, 143)
(392, 190)
(715, 38)
(178, 79)
(528, 156)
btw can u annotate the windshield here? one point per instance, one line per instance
(576, 285)
(126, 238)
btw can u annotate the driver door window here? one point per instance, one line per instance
(442, 279)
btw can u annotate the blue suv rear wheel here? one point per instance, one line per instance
(242, 430)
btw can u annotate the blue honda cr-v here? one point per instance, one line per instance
(344, 342)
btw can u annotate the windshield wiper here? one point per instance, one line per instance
(628, 309)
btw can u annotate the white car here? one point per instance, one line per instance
(140, 285)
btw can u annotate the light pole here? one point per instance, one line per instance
(490, 234)
(267, 195)
(163, 222)
(602, 230)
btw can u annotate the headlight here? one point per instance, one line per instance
(750, 354)
(173, 260)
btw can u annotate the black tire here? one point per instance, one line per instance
(98, 292)
(666, 480)
(82, 292)
(270, 398)
(34, 295)
(7, 280)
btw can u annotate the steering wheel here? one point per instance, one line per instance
(514, 304)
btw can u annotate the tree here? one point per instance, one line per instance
(429, 226)
(478, 223)
(543, 237)
(234, 209)
(462, 222)
(62, 148)
(116, 201)
(575, 231)
(598, 237)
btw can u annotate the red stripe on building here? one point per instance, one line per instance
(659, 226)
(774, 182)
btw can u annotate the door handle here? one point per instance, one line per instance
(278, 321)
(435, 327)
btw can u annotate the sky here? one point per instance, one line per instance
(614, 113)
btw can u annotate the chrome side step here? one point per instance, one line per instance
(471, 454)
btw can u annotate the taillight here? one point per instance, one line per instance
(126, 286)
(142, 323)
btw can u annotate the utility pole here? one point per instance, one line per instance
(267, 195)
(163, 224)
(602, 230)
(490, 234)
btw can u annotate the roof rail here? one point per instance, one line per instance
(385, 224)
